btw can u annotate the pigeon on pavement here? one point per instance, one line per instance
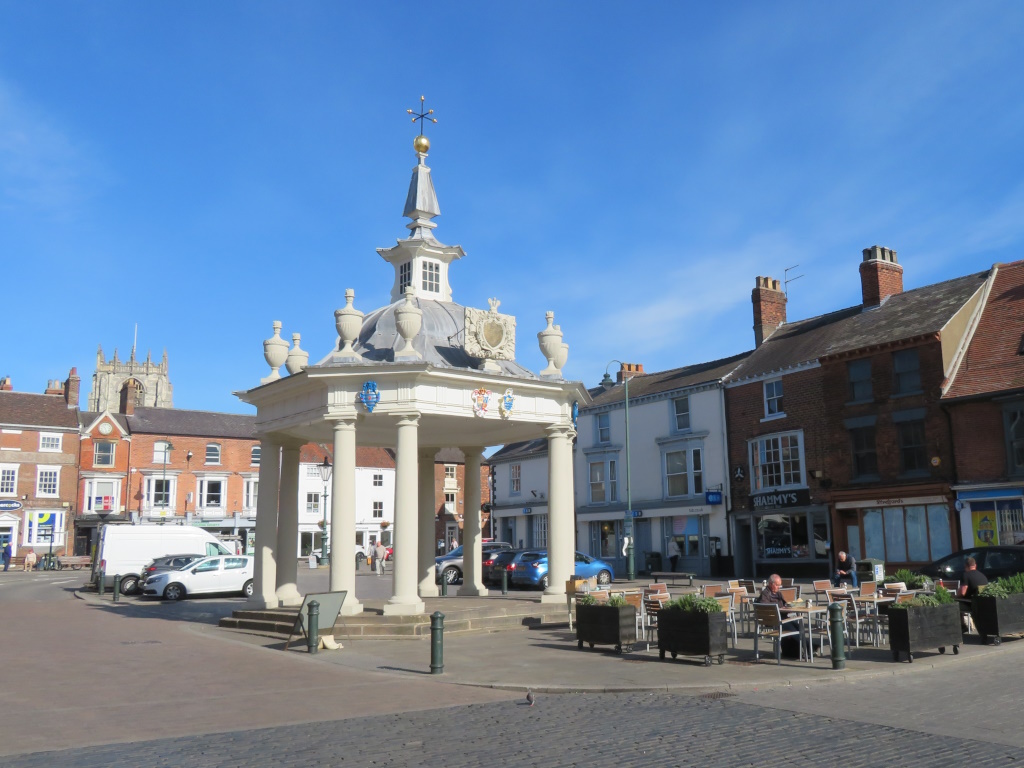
(530, 698)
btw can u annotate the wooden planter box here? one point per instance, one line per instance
(923, 627)
(606, 625)
(995, 616)
(693, 633)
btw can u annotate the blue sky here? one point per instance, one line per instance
(202, 169)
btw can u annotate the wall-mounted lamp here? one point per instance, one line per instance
(817, 474)
(188, 456)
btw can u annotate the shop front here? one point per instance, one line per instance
(603, 535)
(236, 532)
(785, 534)
(990, 516)
(905, 530)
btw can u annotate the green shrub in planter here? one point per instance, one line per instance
(908, 577)
(923, 623)
(693, 626)
(999, 609)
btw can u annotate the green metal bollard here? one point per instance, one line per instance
(99, 582)
(436, 643)
(837, 642)
(444, 586)
(117, 586)
(504, 581)
(313, 627)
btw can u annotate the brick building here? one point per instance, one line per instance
(984, 400)
(39, 446)
(449, 499)
(836, 435)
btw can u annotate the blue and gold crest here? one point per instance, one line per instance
(575, 412)
(508, 401)
(369, 396)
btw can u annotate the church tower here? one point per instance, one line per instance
(152, 384)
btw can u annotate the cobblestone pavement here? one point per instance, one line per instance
(962, 716)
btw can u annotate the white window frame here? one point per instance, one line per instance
(96, 453)
(609, 479)
(449, 471)
(32, 537)
(757, 484)
(540, 531)
(13, 491)
(430, 276)
(515, 479)
(213, 448)
(378, 480)
(449, 502)
(313, 503)
(203, 492)
(252, 494)
(162, 452)
(693, 469)
(773, 392)
(404, 276)
(91, 494)
(377, 510)
(50, 436)
(676, 414)
(603, 428)
(255, 454)
(150, 491)
(47, 469)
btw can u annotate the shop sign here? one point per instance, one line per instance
(895, 501)
(527, 510)
(781, 499)
(10, 505)
(712, 497)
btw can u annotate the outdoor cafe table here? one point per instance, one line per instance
(807, 614)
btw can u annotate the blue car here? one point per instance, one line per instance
(531, 569)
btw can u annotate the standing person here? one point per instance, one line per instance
(30, 560)
(378, 554)
(846, 570)
(7, 555)
(674, 553)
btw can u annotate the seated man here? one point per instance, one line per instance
(971, 580)
(846, 570)
(772, 595)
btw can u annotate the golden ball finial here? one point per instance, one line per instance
(421, 143)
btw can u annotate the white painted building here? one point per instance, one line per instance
(519, 494)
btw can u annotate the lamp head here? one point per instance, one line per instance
(325, 469)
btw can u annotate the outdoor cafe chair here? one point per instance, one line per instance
(748, 584)
(868, 588)
(652, 605)
(851, 615)
(769, 625)
(727, 603)
(820, 586)
(789, 594)
(710, 590)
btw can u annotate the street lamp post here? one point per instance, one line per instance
(325, 547)
(627, 527)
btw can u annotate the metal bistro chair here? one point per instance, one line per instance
(652, 606)
(636, 599)
(789, 594)
(771, 625)
(728, 608)
(820, 586)
(712, 590)
(748, 584)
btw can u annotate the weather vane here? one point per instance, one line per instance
(421, 115)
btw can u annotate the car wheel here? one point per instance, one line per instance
(174, 592)
(604, 578)
(247, 590)
(129, 584)
(544, 581)
(452, 575)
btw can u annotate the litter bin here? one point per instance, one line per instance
(870, 569)
(652, 561)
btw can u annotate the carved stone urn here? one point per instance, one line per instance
(563, 355)
(550, 340)
(408, 320)
(275, 351)
(349, 321)
(298, 358)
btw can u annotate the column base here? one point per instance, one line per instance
(351, 609)
(405, 609)
(552, 598)
(430, 590)
(289, 595)
(472, 590)
(258, 603)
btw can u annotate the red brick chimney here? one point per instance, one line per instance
(6, 385)
(128, 397)
(881, 276)
(628, 371)
(769, 308)
(53, 387)
(71, 387)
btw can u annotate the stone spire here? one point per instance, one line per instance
(421, 203)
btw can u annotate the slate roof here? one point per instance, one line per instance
(523, 450)
(994, 362)
(31, 410)
(85, 418)
(174, 421)
(906, 315)
(667, 381)
(366, 456)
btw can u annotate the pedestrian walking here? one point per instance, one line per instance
(379, 553)
(7, 555)
(673, 553)
(30, 560)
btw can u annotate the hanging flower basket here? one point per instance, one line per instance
(384, 524)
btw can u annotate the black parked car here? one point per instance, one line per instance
(497, 562)
(994, 562)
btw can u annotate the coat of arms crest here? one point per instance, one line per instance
(508, 401)
(369, 396)
(481, 399)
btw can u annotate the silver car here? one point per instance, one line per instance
(449, 566)
(211, 575)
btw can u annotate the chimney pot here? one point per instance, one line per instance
(769, 307)
(881, 275)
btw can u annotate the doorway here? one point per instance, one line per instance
(744, 563)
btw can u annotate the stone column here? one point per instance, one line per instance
(343, 515)
(404, 599)
(472, 538)
(561, 544)
(428, 509)
(288, 527)
(264, 570)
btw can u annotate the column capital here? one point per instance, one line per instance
(407, 418)
(472, 450)
(338, 423)
(560, 430)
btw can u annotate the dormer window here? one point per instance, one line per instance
(431, 277)
(404, 276)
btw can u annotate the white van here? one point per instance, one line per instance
(126, 549)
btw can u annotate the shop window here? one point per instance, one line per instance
(784, 536)
(858, 373)
(540, 531)
(906, 369)
(914, 533)
(609, 539)
(100, 496)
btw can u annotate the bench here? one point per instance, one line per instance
(670, 577)
(75, 562)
